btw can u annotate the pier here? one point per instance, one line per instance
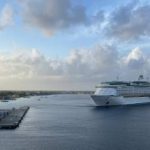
(12, 118)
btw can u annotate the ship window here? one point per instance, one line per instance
(106, 91)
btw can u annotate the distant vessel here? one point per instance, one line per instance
(122, 93)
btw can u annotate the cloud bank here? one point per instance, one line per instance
(81, 69)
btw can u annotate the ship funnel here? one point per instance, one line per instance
(141, 77)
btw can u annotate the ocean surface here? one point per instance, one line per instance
(73, 122)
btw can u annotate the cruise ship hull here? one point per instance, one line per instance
(118, 100)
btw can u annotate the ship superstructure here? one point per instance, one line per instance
(120, 92)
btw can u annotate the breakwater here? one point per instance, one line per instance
(12, 118)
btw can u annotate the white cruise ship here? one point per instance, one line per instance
(122, 93)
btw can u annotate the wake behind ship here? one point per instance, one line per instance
(122, 93)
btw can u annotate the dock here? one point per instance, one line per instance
(13, 117)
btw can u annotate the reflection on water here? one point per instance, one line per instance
(74, 122)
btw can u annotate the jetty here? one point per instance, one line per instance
(10, 119)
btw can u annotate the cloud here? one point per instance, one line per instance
(51, 16)
(6, 16)
(81, 69)
(135, 63)
(28, 64)
(136, 59)
(129, 22)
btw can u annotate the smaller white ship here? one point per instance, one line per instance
(122, 93)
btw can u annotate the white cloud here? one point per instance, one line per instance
(6, 16)
(135, 63)
(82, 69)
(135, 58)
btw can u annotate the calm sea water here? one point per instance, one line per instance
(73, 122)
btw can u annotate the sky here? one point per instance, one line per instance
(72, 44)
